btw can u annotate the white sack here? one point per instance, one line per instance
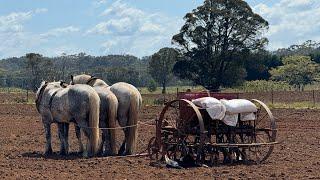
(214, 107)
(247, 116)
(235, 106)
(206, 102)
(230, 119)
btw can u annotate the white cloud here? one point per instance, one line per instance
(291, 21)
(14, 39)
(129, 30)
(98, 3)
(59, 31)
(41, 10)
(120, 9)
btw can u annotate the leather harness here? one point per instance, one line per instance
(91, 79)
(41, 94)
(51, 98)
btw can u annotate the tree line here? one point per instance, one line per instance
(221, 44)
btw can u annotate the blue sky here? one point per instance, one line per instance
(137, 27)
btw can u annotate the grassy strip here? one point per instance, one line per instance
(12, 90)
(171, 89)
(295, 105)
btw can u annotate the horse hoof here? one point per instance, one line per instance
(122, 154)
(111, 154)
(63, 153)
(48, 152)
(85, 154)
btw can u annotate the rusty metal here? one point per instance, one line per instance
(242, 140)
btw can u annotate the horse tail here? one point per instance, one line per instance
(135, 103)
(112, 114)
(94, 102)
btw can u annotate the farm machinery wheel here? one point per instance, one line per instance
(180, 132)
(265, 134)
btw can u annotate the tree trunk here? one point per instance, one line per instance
(164, 88)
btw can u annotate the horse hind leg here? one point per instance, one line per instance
(78, 134)
(63, 136)
(87, 148)
(66, 137)
(108, 144)
(102, 146)
(123, 122)
(48, 147)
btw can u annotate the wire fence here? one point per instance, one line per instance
(20, 90)
(278, 98)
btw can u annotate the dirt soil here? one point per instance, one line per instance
(22, 144)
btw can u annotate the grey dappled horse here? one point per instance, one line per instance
(130, 101)
(58, 103)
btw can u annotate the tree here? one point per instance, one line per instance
(305, 49)
(161, 65)
(33, 66)
(152, 86)
(296, 70)
(217, 36)
(38, 68)
(259, 63)
(315, 56)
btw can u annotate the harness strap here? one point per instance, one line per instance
(51, 98)
(40, 96)
(91, 79)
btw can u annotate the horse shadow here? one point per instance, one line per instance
(53, 156)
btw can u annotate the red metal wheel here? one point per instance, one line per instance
(180, 130)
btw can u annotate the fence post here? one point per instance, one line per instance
(313, 98)
(272, 96)
(27, 95)
(177, 93)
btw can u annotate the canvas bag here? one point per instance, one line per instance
(213, 106)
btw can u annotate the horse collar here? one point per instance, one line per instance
(91, 79)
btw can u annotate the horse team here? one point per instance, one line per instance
(92, 105)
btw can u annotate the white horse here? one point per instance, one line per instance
(108, 115)
(60, 104)
(130, 102)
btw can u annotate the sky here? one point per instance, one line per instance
(136, 27)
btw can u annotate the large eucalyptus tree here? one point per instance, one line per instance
(215, 39)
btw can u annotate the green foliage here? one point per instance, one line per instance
(315, 56)
(215, 39)
(295, 105)
(152, 86)
(296, 70)
(262, 86)
(172, 89)
(17, 72)
(259, 63)
(37, 67)
(305, 49)
(161, 65)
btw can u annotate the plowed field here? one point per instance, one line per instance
(22, 144)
